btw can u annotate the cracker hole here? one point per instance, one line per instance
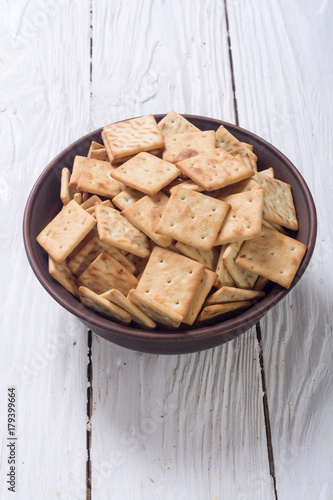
(203, 237)
(161, 261)
(172, 224)
(190, 272)
(281, 271)
(169, 281)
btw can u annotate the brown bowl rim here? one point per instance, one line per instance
(250, 316)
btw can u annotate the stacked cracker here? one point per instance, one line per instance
(165, 224)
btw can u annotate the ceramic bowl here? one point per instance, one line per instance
(44, 203)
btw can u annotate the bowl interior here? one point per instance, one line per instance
(44, 203)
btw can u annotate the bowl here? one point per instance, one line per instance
(44, 203)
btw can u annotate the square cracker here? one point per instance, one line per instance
(138, 316)
(227, 141)
(146, 173)
(177, 147)
(193, 218)
(205, 285)
(217, 310)
(273, 255)
(66, 191)
(146, 213)
(65, 231)
(127, 197)
(91, 251)
(117, 231)
(96, 178)
(132, 136)
(278, 202)
(63, 275)
(232, 294)
(157, 312)
(171, 279)
(207, 258)
(214, 169)
(242, 277)
(223, 275)
(173, 123)
(243, 221)
(103, 306)
(239, 187)
(97, 151)
(104, 273)
(76, 170)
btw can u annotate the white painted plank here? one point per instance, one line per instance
(150, 57)
(44, 105)
(289, 102)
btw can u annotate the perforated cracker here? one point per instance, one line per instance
(157, 312)
(65, 231)
(173, 123)
(66, 191)
(273, 255)
(227, 141)
(63, 275)
(127, 197)
(278, 202)
(192, 218)
(76, 170)
(214, 169)
(223, 276)
(91, 251)
(177, 147)
(243, 221)
(103, 306)
(243, 278)
(97, 151)
(146, 173)
(218, 310)
(104, 273)
(138, 316)
(203, 289)
(171, 279)
(132, 136)
(209, 259)
(96, 178)
(117, 231)
(232, 294)
(146, 213)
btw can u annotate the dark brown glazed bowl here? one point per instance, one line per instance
(44, 203)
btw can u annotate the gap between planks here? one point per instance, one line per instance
(258, 330)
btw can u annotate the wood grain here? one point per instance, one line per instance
(45, 81)
(289, 102)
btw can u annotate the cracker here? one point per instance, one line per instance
(91, 251)
(177, 147)
(91, 202)
(223, 276)
(127, 197)
(66, 192)
(272, 255)
(188, 184)
(239, 187)
(157, 312)
(203, 289)
(173, 123)
(192, 218)
(209, 259)
(76, 170)
(227, 141)
(132, 136)
(104, 273)
(244, 219)
(242, 277)
(278, 202)
(231, 294)
(96, 178)
(65, 231)
(78, 198)
(103, 306)
(214, 169)
(63, 275)
(261, 283)
(217, 310)
(146, 173)
(138, 316)
(171, 279)
(247, 145)
(146, 213)
(117, 231)
(97, 151)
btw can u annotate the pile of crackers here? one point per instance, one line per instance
(167, 225)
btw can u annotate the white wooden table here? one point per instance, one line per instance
(251, 419)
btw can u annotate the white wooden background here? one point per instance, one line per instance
(246, 420)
